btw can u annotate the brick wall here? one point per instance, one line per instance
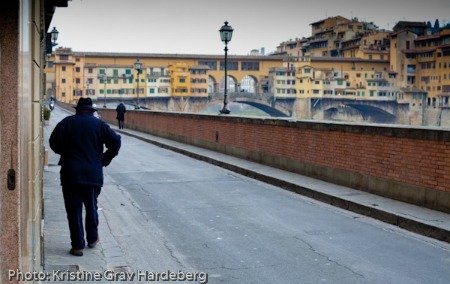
(405, 163)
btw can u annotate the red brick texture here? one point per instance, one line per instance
(410, 156)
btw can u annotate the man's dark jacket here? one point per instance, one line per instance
(79, 139)
(121, 110)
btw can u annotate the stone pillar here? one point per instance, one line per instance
(9, 138)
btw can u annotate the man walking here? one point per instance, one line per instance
(121, 110)
(79, 139)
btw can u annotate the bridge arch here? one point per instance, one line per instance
(358, 112)
(212, 85)
(265, 108)
(232, 83)
(248, 84)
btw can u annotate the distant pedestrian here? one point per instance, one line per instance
(79, 139)
(121, 110)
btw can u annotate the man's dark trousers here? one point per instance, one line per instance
(74, 198)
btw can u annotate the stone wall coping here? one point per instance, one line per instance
(390, 130)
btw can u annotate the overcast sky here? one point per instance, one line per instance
(192, 26)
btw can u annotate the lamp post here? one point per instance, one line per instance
(138, 68)
(226, 32)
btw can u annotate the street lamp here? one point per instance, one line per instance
(103, 77)
(138, 68)
(54, 36)
(50, 40)
(226, 32)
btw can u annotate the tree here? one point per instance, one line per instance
(429, 26)
(436, 26)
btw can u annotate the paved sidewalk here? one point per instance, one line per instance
(424, 221)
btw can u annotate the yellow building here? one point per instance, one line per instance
(199, 80)
(318, 77)
(180, 83)
(282, 82)
(422, 61)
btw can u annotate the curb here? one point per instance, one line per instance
(373, 212)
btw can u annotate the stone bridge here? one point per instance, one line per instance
(381, 110)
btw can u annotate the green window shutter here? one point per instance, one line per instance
(130, 80)
(152, 91)
(127, 71)
(102, 71)
(102, 91)
(108, 91)
(142, 80)
(109, 81)
(116, 81)
(116, 72)
(102, 81)
(371, 93)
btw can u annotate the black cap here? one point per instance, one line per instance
(85, 104)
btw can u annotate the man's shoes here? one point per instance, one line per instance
(76, 252)
(92, 245)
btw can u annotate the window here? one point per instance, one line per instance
(182, 80)
(77, 69)
(116, 81)
(152, 90)
(63, 68)
(102, 91)
(211, 64)
(307, 70)
(249, 65)
(115, 72)
(63, 94)
(50, 64)
(63, 80)
(64, 57)
(90, 81)
(231, 65)
(102, 71)
(77, 80)
(127, 71)
(90, 70)
(77, 59)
